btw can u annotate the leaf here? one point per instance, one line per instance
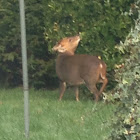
(124, 81)
(9, 56)
(138, 120)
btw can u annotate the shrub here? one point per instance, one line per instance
(127, 122)
(102, 25)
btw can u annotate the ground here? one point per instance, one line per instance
(52, 119)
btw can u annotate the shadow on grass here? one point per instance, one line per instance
(69, 95)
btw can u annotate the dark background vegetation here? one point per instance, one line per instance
(102, 25)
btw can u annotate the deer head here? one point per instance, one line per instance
(68, 44)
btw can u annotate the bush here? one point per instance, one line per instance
(102, 25)
(127, 122)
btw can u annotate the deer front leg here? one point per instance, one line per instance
(62, 90)
(76, 93)
(96, 93)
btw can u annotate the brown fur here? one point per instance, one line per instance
(78, 69)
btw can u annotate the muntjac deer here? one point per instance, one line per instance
(77, 69)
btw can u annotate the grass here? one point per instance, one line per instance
(51, 119)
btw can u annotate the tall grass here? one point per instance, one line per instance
(51, 119)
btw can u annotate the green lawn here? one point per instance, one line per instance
(51, 119)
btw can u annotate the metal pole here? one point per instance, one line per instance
(24, 67)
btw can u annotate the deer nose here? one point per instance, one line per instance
(78, 35)
(55, 48)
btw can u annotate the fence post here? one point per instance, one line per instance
(24, 67)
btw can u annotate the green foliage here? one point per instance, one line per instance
(127, 122)
(102, 25)
(40, 63)
(10, 42)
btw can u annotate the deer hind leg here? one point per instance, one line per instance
(104, 81)
(62, 90)
(93, 89)
(76, 93)
(102, 77)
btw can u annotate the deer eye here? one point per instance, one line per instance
(70, 40)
